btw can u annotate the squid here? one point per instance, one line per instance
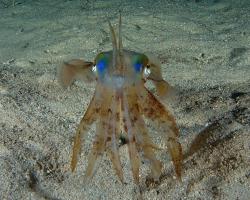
(120, 104)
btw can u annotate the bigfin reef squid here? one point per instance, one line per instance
(120, 103)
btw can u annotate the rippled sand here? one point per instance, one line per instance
(204, 48)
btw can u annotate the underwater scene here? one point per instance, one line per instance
(112, 99)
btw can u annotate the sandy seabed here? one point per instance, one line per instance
(204, 48)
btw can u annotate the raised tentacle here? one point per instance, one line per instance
(120, 47)
(154, 110)
(114, 45)
(120, 61)
(75, 69)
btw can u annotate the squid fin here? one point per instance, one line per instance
(75, 69)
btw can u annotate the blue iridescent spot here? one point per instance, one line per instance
(138, 61)
(101, 65)
(137, 66)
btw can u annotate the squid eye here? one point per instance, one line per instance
(94, 69)
(138, 66)
(139, 62)
(101, 63)
(146, 72)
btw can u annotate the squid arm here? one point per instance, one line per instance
(143, 141)
(154, 110)
(88, 119)
(129, 127)
(108, 130)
